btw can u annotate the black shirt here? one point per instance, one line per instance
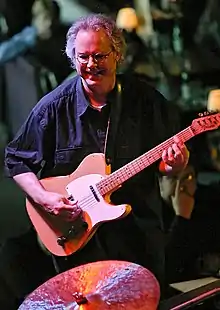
(59, 133)
(62, 129)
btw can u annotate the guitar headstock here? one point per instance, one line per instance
(207, 121)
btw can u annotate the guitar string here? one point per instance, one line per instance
(84, 202)
(137, 164)
(186, 134)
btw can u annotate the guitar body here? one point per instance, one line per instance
(96, 209)
(90, 186)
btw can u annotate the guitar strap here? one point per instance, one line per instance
(113, 122)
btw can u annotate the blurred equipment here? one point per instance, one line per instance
(214, 148)
(214, 138)
(207, 31)
(143, 9)
(136, 51)
(26, 82)
(201, 298)
(111, 285)
(214, 100)
(127, 19)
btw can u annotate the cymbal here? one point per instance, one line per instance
(112, 285)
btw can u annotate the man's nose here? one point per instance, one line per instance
(91, 62)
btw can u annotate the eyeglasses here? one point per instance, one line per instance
(98, 58)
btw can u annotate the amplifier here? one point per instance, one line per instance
(206, 297)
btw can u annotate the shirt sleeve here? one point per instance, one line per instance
(27, 151)
(18, 44)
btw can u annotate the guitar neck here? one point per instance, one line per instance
(114, 180)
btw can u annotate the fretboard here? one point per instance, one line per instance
(118, 177)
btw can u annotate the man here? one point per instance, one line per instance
(178, 195)
(71, 122)
(27, 38)
(17, 14)
(191, 217)
(43, 38)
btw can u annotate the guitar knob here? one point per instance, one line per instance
(85, 225)
(72, 230)
(61, 240)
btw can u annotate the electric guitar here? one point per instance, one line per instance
(90, 186)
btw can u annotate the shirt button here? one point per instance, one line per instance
(61, 156)
(43, 123)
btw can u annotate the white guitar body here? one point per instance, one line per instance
(96, 208)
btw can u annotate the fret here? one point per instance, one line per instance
(117, 178)
(121, 175)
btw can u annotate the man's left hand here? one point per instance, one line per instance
(175, 158)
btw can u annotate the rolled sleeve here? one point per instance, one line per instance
(25, 152)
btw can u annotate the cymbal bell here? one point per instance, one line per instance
(102, 285)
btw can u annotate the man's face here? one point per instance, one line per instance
(95, 60)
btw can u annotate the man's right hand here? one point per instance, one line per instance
(53, 203)
(58, 205)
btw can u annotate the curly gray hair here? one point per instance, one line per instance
(96, 22)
